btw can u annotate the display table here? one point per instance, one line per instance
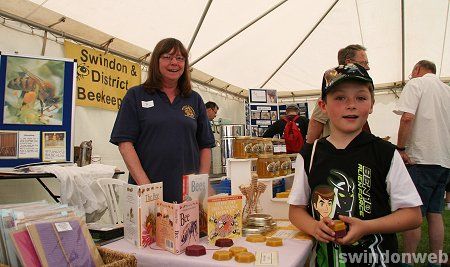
(9, 173)
(294, 252)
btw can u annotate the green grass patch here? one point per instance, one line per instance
(423, 245)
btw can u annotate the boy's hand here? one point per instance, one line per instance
(356, 230)
(322, 231)
(405, 158)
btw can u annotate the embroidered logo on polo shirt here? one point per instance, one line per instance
(188, 111)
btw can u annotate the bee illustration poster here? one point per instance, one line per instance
(37, 96)
(34, 91)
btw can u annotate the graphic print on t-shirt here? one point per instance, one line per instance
(364, 184)
(339, 197)
(334, 199)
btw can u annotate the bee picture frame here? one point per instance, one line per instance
(37, 98)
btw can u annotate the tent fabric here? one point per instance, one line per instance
(248, 60)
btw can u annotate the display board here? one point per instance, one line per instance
(262, 110)
(36, 109)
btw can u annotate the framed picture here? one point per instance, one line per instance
(37, 97)
(8, 144)
(258, 96)
(33, 91)
(272, 96)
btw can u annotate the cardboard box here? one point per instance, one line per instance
(139, 208)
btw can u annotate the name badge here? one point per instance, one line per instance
(147, 104)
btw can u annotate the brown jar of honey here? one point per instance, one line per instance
(257, 147)
(265, 166)
(277, 165)
(267, 146)
(241, 147)
(285, 165)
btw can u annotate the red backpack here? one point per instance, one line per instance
(293, 136)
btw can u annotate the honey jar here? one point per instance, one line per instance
(267, 146)
(242, 147)
(257, 147)
(265, 166)
(285, 165)
(277, 165)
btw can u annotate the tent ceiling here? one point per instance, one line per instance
(249, 59)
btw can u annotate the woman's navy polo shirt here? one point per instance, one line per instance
(167, 136)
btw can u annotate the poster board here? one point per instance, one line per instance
(262, 110)
(36, 109)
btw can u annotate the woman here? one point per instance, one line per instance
(162, 129)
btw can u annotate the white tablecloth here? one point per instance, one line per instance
(294, 252)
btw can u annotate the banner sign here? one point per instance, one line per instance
(102, 79)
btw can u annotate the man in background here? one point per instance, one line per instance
(318, 124)
(278, 126)
(424, 147)
(211, 110)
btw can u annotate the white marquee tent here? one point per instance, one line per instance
(277, 44)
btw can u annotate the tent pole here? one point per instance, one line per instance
(199, 25)
(359, 22)
(94, 45)
(403, 42)
(238, 32)
(300, 44)
(445, 37)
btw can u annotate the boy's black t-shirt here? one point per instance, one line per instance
(357, 176)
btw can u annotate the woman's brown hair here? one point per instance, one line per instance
(154, 80)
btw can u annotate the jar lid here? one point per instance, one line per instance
(243, 137)
(259, 217)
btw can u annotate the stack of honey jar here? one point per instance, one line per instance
(271, 153)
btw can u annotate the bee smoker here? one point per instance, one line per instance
(83, 153)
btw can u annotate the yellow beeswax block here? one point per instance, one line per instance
(255, 238)
(338, 225)
(282, 195)
(244, 257)
(222, 255)
(274, 242)
(235, 250)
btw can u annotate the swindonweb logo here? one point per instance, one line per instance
(370, 258)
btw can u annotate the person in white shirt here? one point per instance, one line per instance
(424, 147)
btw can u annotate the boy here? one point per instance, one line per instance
(373, 192)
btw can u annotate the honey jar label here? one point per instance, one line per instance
(268, 148)
(248, 148)
(277, 165)
(257, 149)
(271, 167)
(286, 165)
